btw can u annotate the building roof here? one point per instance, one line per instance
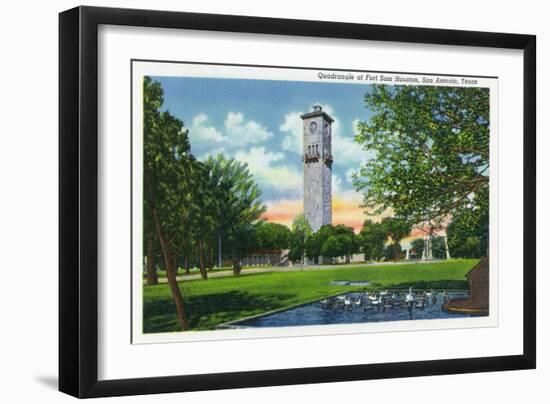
(483, 264)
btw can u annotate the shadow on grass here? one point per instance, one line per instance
(207, 311)
(438, 284)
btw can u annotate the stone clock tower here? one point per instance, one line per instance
(317, 160)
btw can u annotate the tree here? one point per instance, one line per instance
(301, 232)
(204, 219)
(315, 242)
(168, 173)
(467, 234)
(396, 228)
(238, 204)
(333, 247)
(150, 245)
(430, 148)
(417, 247)
(272, 236)
(348, 239)
(372, 238)
(439, 250)
(393, 251)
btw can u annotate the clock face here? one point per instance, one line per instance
(312, 127)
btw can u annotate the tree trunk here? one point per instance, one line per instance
(202, 268)
(152, 276)
(178, 298)
(236, 266)
(171, 275)
(220, 263)
(186, 263)
(211, 260)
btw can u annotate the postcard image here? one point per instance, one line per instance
(272, 201)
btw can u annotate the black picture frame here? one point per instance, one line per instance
(78, 201)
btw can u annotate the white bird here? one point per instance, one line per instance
(409, 297)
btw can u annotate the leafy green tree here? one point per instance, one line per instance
(272, 236)
(467, 234)
(430, 148)
(238, 204)
(418, 247)
(372, 238)
(333, 247)
(204, 218)
(168, 173)
(393, 251)
(348, 239)
(301, 232)
(316, 240)
(396, 228)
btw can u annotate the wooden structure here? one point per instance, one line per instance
(478, 301)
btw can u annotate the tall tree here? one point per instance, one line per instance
(396, 229)
(238, 201)
(204, 217)
(168, 172)
(348, 240)
(150, 246)
(301, 232)
(372, 238)
(430, 148)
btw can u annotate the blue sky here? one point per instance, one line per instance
(258, 122)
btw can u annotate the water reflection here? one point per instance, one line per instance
(362, 307)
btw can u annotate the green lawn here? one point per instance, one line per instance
(195, 271)
(219, 300)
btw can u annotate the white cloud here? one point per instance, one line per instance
(242, 132)
(293, 127)
(336, 184)
(344, 146)
(270, 170)
(237, 132)
(200, 133)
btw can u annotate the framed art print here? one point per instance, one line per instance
(268, 201)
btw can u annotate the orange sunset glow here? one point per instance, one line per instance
(344, 211)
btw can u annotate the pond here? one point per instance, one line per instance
(361, 307)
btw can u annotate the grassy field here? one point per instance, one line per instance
(195, 271)
(219, 300)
